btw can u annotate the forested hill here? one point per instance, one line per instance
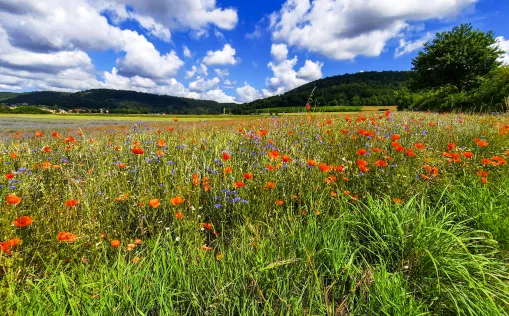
(366, 88)
(118, 101)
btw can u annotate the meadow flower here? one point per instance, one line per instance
(279, 202)
(9, 176)
(115, 243)
(177, 200)
(154, 203)
(22, 221)
(13, 199)
(67, 237)
(130, 247)
(137, 151)
(71, 203)
(5, 245)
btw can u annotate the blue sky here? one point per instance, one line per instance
(237, 51)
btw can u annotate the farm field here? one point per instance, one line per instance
(333, 214)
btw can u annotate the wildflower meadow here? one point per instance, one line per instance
(333, 214)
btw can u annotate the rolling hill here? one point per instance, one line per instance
(118, 101)
(360, 89)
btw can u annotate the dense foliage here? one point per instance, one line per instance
(367, 88)
(380, 214)
(119, 101)
(23, 110)
(457, 58)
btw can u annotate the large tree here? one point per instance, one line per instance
(459, 58)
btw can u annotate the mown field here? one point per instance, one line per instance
(333, 214)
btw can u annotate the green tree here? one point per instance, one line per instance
(457, 58)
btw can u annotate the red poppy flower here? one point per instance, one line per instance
(324, 167)
(308, 106)
(207, 226)
(4, 245)
(279, 202)
(71, 203)
(10, 176)
(361, 152)
(47, 149)
(177, 200)
(55, 135)
(161, 143)
(286, 158)
(137, 151)
(67, 237)
(154, 203)
(248, 175)
(12, 199)
(239, 184)
(39, 134)
(312, 163)
(395, 137)
(115, 243)
(226, 156)
(228, 169)
(22, 221)
(179, 215)
(481, 143)
(270, 185)
(451, 146)
(420, 146)
(468, 155)
(381, 163)
(175, 119)
(274, 154)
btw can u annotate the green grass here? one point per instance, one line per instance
(121, 117)
(384, 241)
(315, 109)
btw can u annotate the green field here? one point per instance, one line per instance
(326, 214)
(314, 109)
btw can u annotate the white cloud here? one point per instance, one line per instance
(203, 70)
(408, 47)
(279, 51)
(187, 52)
(221, 57)
(188, 14)
(311, 71)
(222, 72)
(190, 73)
(201, 84)
(64, 28)
(285, 77)
(344, 29)
(217, 95)
(219, 35)
(248, 93)
(504, 45)
(143, 59)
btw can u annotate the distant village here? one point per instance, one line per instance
(56, 111)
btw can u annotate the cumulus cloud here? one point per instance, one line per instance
(504, 45)
(143, 59)
(187, 52)
(247, 93)
(221, 57)
(217, 95)
(202, 84)
(222, 72)
(190, 14)
(344, 29)
(279, 51)
(285, 77)
(408, 47)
